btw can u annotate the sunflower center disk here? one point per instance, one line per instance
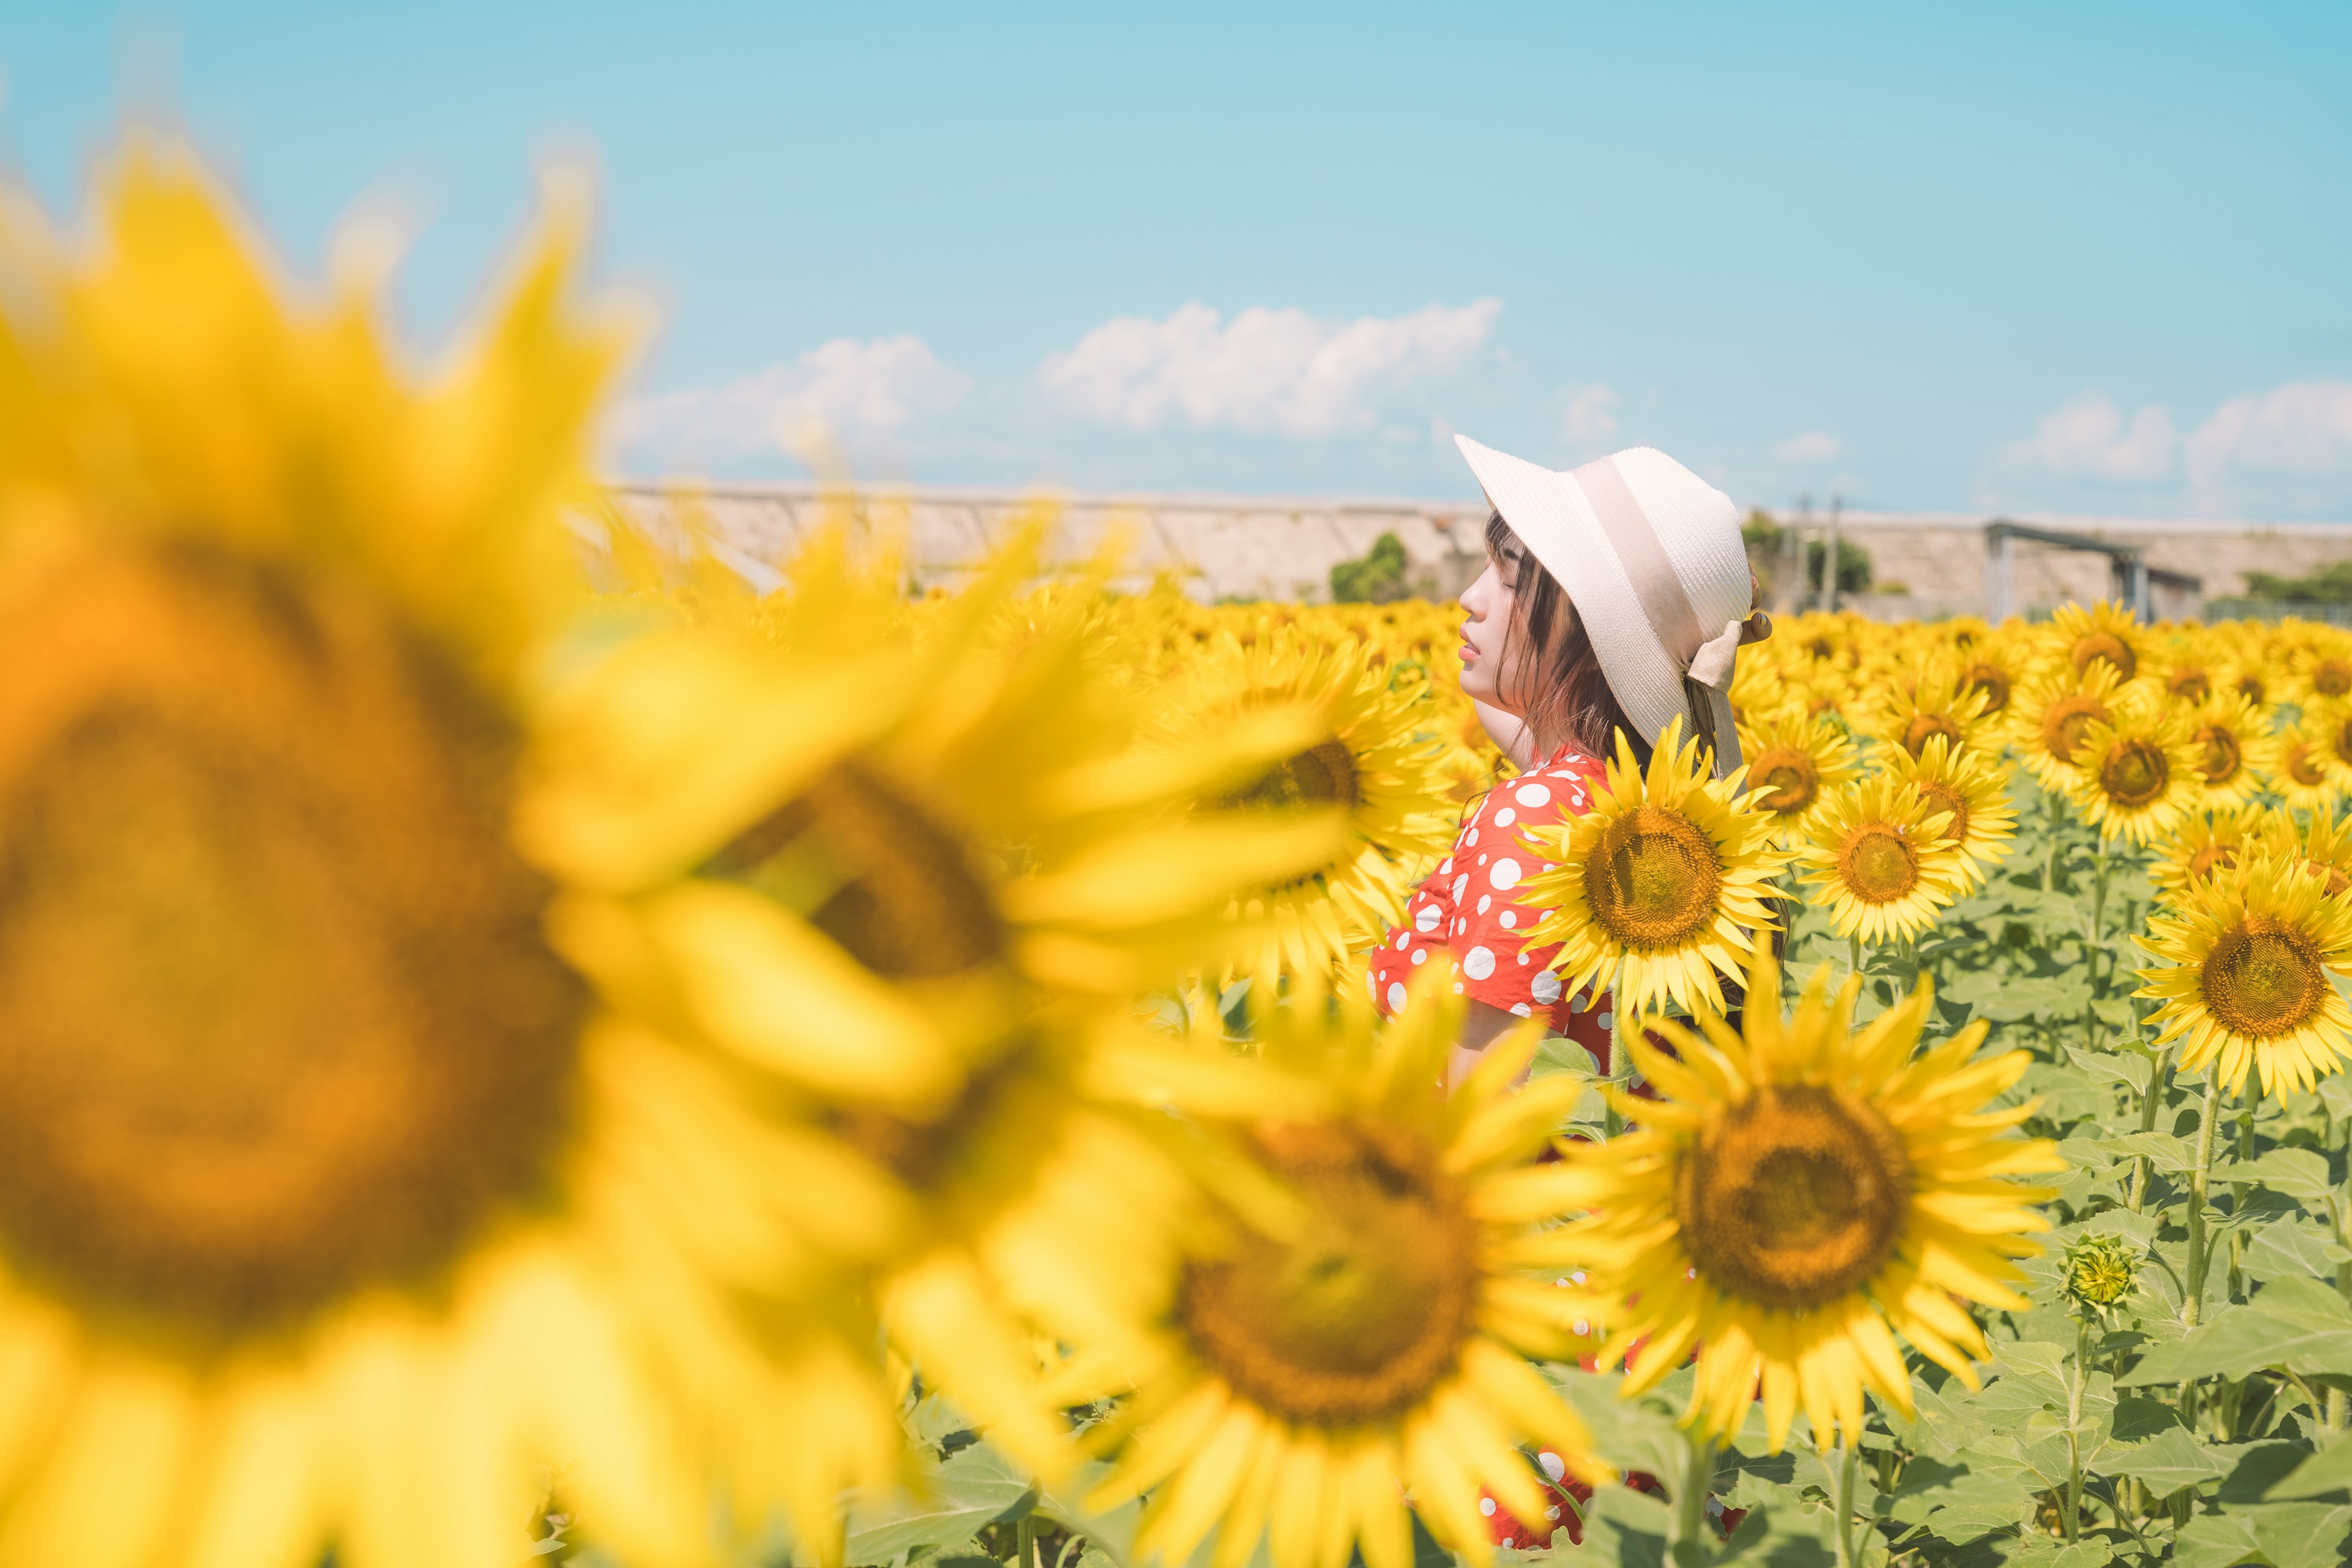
(2263, 979)
(2222, 756)
(1990, 681)
(1362, 1312)
(1788, 778)
(1944, 797)
(2062, 725)
(2133, 772)
(1924, 727)
(2107, 646)
(280, 1021)
(2331, 677)
(1792, 1198)
(1653, 878)
(875, 871)
(2191, 685)
(1878, 864)
(1323, 774)
(2303, 765)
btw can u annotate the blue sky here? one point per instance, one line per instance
(2087, 258)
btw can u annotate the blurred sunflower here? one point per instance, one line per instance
(2308, 775)
(1972, 788)
(2137, 775)
(928, 918)
(2053, 712)
(2209, 841)
(1794, 760)
(2106, 634)
(2323, 672)
(2320, 844)
(1364, 1333)
(2249, 682)
(335, 1208)
(1655, 891)
(1993, 666)
(2235, 753)
(1882, 860)
(1798, 1194)
(2242, 976)
(1932, 700)
(2188, 681)
(1363, 755)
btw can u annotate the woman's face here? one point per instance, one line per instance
(1488, 604)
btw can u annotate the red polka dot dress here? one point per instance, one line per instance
(1468, 911)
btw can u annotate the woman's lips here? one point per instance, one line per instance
(1466, 653)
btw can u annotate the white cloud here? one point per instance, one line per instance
(1812, 446)
(2303, 429)
(1592, 414)
(856, 390)
(2089, 435)
(1267, 370)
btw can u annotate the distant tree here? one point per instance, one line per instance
(1377, 579)
(2331, 584)
(1766, 539)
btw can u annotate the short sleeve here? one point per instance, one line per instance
(1419, 941)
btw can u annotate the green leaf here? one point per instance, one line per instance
(2136, 1418)
(978, 1486)
(2328, 1471)
(2214, 1540)
(2302, 1534)
(2298, 1173)
(2298, 1325)
(1626, 1528)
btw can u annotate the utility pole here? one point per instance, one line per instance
(1801, 588)
(1829, 557)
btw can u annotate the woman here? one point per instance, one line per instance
(1615, 600)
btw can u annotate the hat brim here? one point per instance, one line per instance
(1553, 518)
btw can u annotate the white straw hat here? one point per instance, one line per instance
(1650, 555)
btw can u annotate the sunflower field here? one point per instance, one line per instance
(514, 1045)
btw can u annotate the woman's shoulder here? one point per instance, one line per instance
(1563, 785)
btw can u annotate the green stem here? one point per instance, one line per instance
(1854, 954)
(1844, 1501)
(1621, 1070)
(2238, 1202)
(2070, 1519)
(1027, 1536)
(1690, 1502)
(2333, 1419)
(2195, 1296)
(2159, 1079)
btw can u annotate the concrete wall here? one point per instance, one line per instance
(1284, 548)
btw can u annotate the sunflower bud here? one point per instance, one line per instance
(2101, 1270)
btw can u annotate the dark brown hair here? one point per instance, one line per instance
(1547, 658)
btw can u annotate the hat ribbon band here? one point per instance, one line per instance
(1635, 541)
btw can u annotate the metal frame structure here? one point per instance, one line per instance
(2135, 580)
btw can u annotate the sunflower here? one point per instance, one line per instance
(336, 1208)
(1794, 760)
(2188, 681)
(2053, 712)
(966, 861)
(1972, 790)
(1798, 1194)
(2242, 978)
(2135, 776)
(2307, 775)
(1655, 890)
(2106, 634)
(2321, 845)
(1302, 1367)
(1881, 859)
(1363, 752)
(2235, 753)
(2323, 674)
(1934, 701)
(1994, 664)
(2209, 841)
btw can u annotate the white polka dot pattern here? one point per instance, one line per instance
(1483, 930)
